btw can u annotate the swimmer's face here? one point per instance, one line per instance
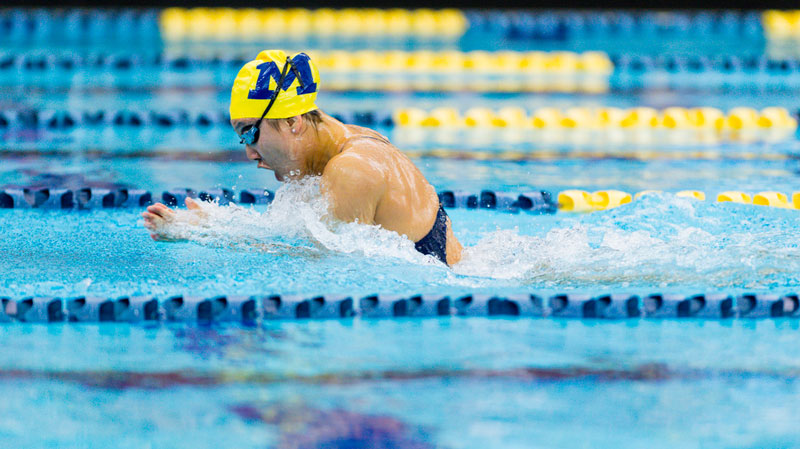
(274, 148)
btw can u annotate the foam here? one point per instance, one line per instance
(296, 223)
(660, 241)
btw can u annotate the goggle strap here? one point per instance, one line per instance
(277, 88)
(297, 75)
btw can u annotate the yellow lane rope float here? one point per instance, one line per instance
(475, 71)
(582, 201)
(455, 71)
(781, 25)
(739, 118)
(453, 61)
(782, 33)
(637, 125)
(228, 24)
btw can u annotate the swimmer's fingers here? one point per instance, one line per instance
(161, 211)
(152, 221)
(192, 204)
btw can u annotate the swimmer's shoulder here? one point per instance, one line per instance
(358, 166)
(353, 162)
(369, 146)
(365, 137)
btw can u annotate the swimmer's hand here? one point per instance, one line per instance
(159, 216)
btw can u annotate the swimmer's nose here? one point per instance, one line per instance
(252, 154)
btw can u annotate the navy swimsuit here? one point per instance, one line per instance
(435, 243)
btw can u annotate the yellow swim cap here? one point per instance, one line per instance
(257, 81)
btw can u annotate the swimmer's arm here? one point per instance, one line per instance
(354, 188)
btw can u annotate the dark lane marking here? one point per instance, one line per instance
(118, 380)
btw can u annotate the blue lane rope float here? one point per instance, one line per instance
(82, 199)
(253, 309)
(535, 202)
(58, 120)
(59, 25)
(721, 64)
(560, 26)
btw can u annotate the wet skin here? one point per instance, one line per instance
(366, 179)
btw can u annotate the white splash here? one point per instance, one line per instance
(657, 242)
(296, 222)
(667, 244)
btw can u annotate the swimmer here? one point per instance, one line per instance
(365, 178)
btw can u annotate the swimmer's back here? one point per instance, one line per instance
(408, 203)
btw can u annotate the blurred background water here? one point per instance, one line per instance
(138, 99)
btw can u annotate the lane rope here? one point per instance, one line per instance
(599, 118)
(535, 201)
(676, 126)
(582, 201)
(567, 25)
(251, 310)
(90, 198)
(229, 24)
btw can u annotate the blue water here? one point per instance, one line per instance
(160, 173)
(459, 383)
(658, 243)
(403, 383)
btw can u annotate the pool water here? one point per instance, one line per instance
(448, 382)
(657, 243)
(454, 383)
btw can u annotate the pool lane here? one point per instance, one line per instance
(655, 244)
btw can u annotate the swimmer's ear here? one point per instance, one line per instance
(295, 123)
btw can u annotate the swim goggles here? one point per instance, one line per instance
(251, 133)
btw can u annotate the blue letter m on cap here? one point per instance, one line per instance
(269, 70)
